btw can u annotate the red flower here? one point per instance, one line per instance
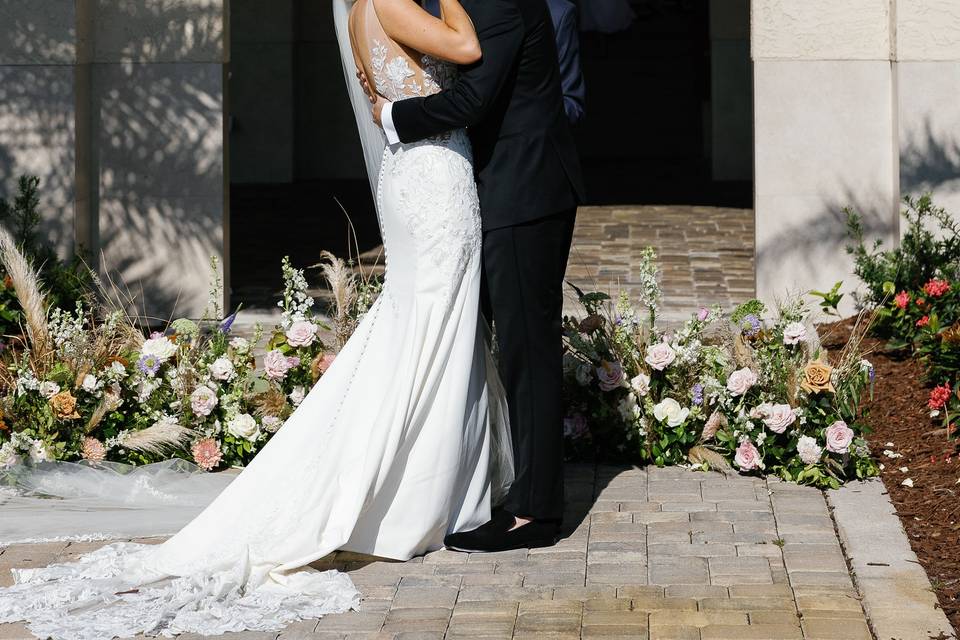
(936, 288)
(921, 302)
(902, 299)
(924, 321)
(939, 396)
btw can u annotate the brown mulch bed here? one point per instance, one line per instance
(930, 510)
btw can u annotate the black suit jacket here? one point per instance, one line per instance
(512, 104)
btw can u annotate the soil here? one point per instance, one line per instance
(901, 423)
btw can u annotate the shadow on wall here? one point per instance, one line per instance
(150, 112)
(818, 244)
(928, 164)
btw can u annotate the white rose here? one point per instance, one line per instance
(39, 452)
(49, 389)
(240, 345)
(670, 411)
(778, 417)
(740, 381)
(117, 369)
(794, 333)
(808, 449)
(244, 426)
(660, 355)
(203, 400)
(90, 383)
(301, 333)
(162, 348)
(222, 368)
(297, 395)
(584, 374)
(640, 384)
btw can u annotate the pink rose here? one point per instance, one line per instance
(839, 437)
(276, 365)
(610, 375)
(747, 457)
(778, 417)
(203, 400)
(301, 333)
(660, 355)
(740, 381)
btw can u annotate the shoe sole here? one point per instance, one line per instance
(536, 544)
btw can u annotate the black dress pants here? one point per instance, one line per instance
(523, 268)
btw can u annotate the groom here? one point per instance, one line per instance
(529, 182)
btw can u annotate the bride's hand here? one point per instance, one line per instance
(365, 85)
(378, 103)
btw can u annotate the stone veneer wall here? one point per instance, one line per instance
(855, 105)
(118, 106)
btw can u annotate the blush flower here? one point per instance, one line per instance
(221, 368)
(575, 426)
(747, 457)
(640, 384)
(93, 450)
(206, 453)
(660, 356)
(740, 381)
(610, 375)
(839, 437)
(276, 365)
(301, 333)
(203, 400)
(777, 417)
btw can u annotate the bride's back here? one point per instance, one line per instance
(395, 71)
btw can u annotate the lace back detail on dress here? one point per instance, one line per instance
(397, 75)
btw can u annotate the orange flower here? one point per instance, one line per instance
(64, 406)
(816, 377)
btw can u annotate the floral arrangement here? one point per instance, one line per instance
(914, 291)
(87, 385)
(756, 393)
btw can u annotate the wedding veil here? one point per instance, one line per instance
(371, 136)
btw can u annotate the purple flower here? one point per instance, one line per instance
(148, 364)
(228, 322)
(750, 325)
(703, 314)
(697, 394)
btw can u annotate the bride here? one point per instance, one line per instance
(401, 442)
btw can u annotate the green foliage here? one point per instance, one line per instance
(929, 247)
(830, 300)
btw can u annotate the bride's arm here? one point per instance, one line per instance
(450, 38)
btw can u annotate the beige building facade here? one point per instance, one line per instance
(126, 110)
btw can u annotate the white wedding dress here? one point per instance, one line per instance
(402, 441)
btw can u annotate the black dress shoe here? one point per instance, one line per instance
(497, 535)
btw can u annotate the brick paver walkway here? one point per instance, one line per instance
(657, 553)
(707, 253)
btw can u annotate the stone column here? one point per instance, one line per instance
(157, 146)
(825, 136)
(928, 86)
(38, 52)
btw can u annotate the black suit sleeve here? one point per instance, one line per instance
(500, 30)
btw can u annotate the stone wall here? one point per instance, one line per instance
(118, 106)
(855, 105)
